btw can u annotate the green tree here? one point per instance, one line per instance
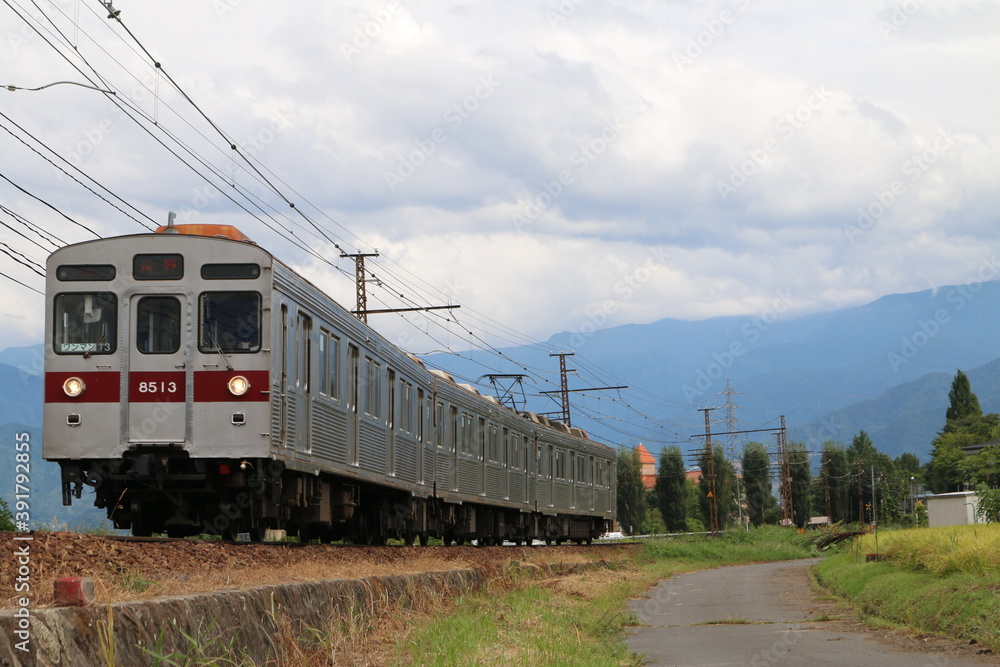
(962, 403)
(757, 481)
(672, 489)
(798, 460)
(631, 492)
(6, 516)
(965, 425)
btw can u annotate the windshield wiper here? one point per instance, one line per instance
(218, 348)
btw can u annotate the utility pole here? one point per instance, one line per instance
(785, 483)
(564, 390)
(361, 312)
(709, 472)
(826, 487)
(361, 309)
(874, 518)
(564, 384)
(731, 421)
(861, 498)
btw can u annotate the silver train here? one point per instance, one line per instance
(199, 385)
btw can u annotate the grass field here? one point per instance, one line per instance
(939, 580)
(578, 619)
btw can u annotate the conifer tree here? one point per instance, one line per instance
(672, 489)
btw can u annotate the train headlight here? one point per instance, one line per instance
(73, 387)
(239, 385)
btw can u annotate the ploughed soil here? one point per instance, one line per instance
(130, 570)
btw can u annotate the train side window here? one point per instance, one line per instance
(158, 325)
(481, 440)
(420, 414)
(230, 322)
(324, 379)
(468, 437)
(405, 406)
(494, 444)
(373, 393)
(333, 368)
(439, 425)
(85, 323)
(353, 358)
(329, 364)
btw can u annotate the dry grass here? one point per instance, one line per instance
(944, 550)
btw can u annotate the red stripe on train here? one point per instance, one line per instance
(213, 386)
(101, 387)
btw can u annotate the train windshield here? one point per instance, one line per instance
(230, 322)
(85, 323)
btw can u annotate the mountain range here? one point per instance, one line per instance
(885, 367)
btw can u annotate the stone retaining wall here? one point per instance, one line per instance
(249, 619)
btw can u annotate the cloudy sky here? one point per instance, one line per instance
(547, 165)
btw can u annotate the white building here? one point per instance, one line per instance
(952, 509)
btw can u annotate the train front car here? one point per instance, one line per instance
(157, 379)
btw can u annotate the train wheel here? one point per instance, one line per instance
(409, 539)
(141, 528)
(231, 532)
(424, 539)
(257, 533)
(448, 539)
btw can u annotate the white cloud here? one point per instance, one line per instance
(430, 131)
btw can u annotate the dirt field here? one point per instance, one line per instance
(136, 570)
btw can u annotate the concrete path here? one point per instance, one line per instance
(768, 614)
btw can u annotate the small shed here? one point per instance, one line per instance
(952, 509)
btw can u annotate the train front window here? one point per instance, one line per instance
(158, 325)
(85, 323)
(230, 322)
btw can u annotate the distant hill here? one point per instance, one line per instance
(805, 367)
(906, 417)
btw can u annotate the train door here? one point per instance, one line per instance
(390, 452)
(572, 479)
(302, 385)
(159, 364)
(282, 381)
(353, 428)
(421, 437)
(527, 456)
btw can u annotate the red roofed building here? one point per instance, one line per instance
(648, 467)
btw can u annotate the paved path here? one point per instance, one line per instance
(763, 614)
